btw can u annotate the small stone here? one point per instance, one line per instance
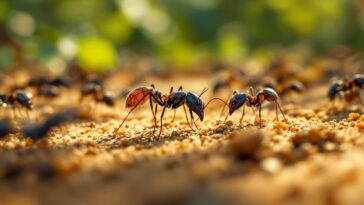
(360, 126)
(223, 126)
(353, 116)
(245, 144)
(219, 130)
(229, 123)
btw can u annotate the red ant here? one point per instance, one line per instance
(254, 100)
(140, 96)
(173, 101)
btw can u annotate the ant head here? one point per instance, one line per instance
(152, 85)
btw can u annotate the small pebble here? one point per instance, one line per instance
(353, 116)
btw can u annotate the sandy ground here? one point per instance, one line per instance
(313, 158)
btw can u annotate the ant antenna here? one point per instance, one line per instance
(251, 91)
(203, 91)
(221, 100)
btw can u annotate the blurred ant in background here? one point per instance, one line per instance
(227, 79)
(37, 132)
(141, 95)
(252, 100)
(348, 89)
(19, 98)
(95, 89)
(5, 128)
(285, 88)
(48, 87)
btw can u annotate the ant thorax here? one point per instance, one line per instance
(252, 101)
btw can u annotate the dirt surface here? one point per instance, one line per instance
(316, 157)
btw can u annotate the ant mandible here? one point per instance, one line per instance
(241, 99)
(140, 96)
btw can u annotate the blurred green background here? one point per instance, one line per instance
(96, 33)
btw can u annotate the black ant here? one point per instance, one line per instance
(227, 80)
(98, 93)
(49, 91)
(180, 98)
(293, 86)
(20, 97)
(48, 87)
(254, 100)
(5, 128)
(36, 132)
(282, 89)
(347, 88)
(60, 81)
(141, 95)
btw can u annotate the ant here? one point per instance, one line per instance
(252, 100)
(36, 132)
(5, 128)
(20, 97)
(181, 98)
(141, 95)
(348, 88)
(293, 86)
(48, 87)
(96, 91)
(227, 80)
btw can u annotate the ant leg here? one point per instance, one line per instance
(280, 109)
(14, 113)
(27, 113)
(260, 114)
(277, 119)
(192, 119)
(361, 98)
(222, 112)
(227, 115)
(95, 105)
(154, 117)
(155, 113)
(174, 115)
(161, 127)
(126, 117)
(188, 121)
(242, 116)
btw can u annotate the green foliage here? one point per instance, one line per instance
(179, 32)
